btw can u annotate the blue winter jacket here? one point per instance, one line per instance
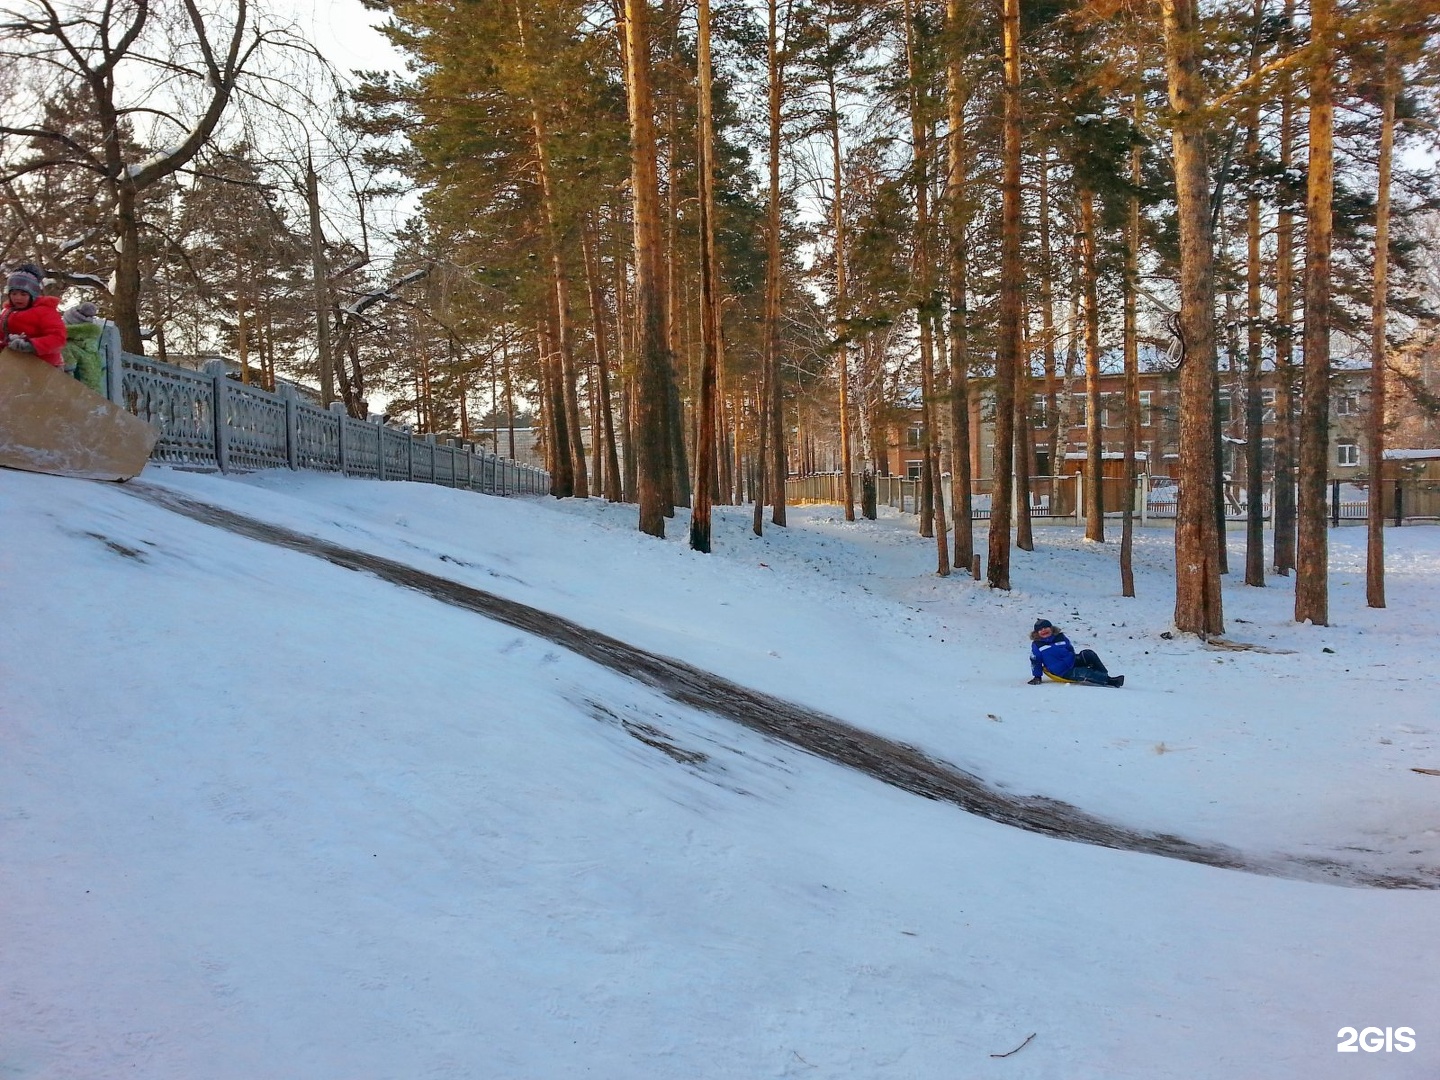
(1054, 654)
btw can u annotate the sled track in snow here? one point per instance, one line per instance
(815, 732)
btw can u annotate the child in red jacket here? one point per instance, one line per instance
(30, 322)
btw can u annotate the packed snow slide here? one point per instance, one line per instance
(52, 423)
(811, 730)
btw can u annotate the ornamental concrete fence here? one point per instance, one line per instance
(209, 421)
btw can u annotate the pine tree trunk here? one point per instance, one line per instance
(1094, 437)
(509, 389)
(1375, 511)
(1047, 324)
(759, 467)
(724, 431)
(709, 286)
(606, 437)
(1217, 446)
(567, 379)
(842, 307)
(1282, 499)
(1312, 601)
(1007, 353)
(1132, 364)
(1254, 394)
(1198, 607)
(652, 359)
(1024, 442)
(774, 427)
(569, 402)
(677, 478)
(920, 142)
(957, 210)
(561, 461)
(625, 348)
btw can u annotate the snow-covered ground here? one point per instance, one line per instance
(264, 817)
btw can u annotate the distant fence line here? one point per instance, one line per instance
(1061, 499)
(207, 420)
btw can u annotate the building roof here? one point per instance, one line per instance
(1412, 455)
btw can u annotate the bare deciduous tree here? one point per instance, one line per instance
(176, 67)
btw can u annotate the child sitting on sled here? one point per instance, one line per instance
(1051, 653)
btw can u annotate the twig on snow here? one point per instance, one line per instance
(1018, 1048)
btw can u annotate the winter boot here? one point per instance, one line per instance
(1117, 680)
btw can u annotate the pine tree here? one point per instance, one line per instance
(1197, 572)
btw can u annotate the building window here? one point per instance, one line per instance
(1112, 410)
(1347, 453)
(1146, 398)
(1039, 418)
(1267, 399)
(913, 436)
(913, 469)
(1346, 404)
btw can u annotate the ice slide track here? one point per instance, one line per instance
(826, 737)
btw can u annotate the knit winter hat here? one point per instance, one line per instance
(1043, 624)
(81, 313)
(24, 281)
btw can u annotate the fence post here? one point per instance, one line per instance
(1079, 497)
(1144, 498)
(1399, 499)
(218, 403)
(114, 363)
(338, 408)
(409, 454)
(292, 426)
(379, 449)
(1335, 503)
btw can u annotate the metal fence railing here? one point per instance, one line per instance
(1062, 498)
(1050, 497)
(207, 420)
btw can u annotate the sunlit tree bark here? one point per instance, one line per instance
(652, 360)
(1375, 511)
(1007, 353)
(1312, 594)
(1198, 607)
(709, 305)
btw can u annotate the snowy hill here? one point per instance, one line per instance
(267, 817)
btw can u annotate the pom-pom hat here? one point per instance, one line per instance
(22, 281)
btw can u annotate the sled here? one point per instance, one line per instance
(53, 423)
(1072, 682)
